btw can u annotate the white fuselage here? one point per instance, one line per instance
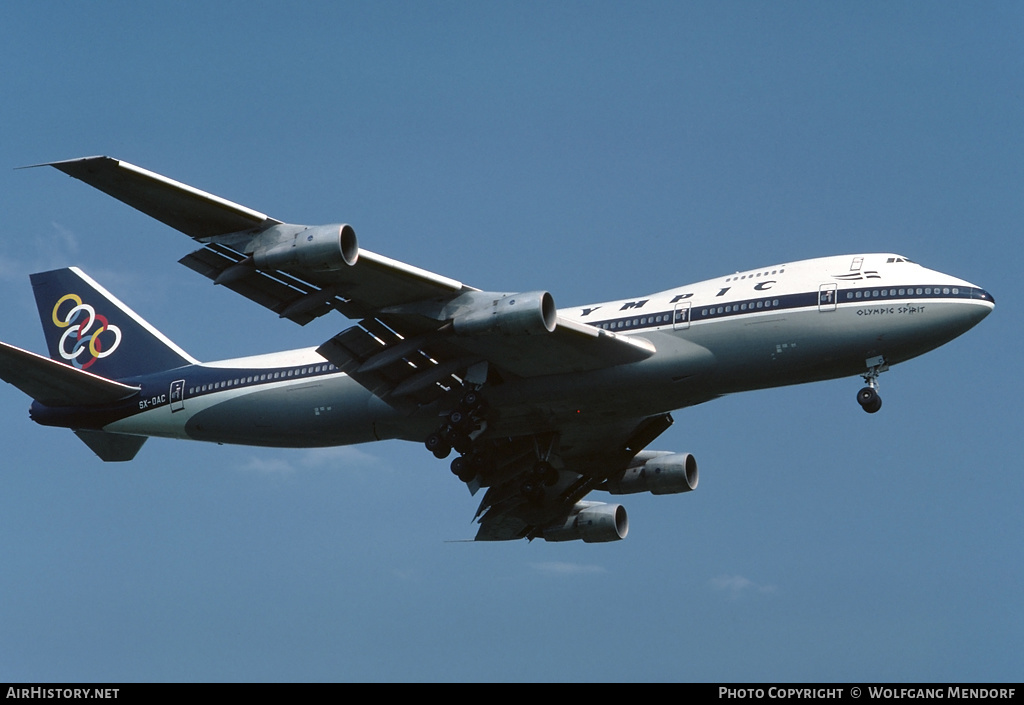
(785, 324)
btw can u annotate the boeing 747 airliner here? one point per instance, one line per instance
(540, 405)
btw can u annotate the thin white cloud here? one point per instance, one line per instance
(736, 585)
(560, 568)
(268, 466)
(58, 248)
(11, 270)
(289, 462)
(408, 575)
(66, 241)
(341, 457)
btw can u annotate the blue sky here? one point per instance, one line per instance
(595, 150)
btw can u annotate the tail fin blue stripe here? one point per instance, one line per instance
(89, 328)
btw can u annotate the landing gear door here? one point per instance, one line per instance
(827, 297)
(177, 395)
(681, 317)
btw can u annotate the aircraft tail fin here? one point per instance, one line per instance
(87, 327)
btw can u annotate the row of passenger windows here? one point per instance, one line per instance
(264, 377)
(657, 319)
(751, 306)
(919, 291)
(681, 314)
(754, 276)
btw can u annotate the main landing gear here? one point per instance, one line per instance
(456, 433)
(542, 475)
(868, 397)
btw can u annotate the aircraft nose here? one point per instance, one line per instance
(976, 313)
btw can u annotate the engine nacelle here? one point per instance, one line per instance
(529, 313)
(315, 248)
(665, 473)
(593, 522)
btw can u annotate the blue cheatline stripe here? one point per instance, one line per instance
(810, 299)
(200, 380)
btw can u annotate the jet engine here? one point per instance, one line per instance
(659, 473)
(315, 248)
(593, 522)
(529, 313)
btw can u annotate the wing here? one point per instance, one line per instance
(537, 482)
(424, 343)
(196, 213)
(417, 329)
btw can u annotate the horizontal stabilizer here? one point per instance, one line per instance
(55, 384)
(193, 212)
(111, 447)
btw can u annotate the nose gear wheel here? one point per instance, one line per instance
(868, 397)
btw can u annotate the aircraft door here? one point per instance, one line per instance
(177, 395)
(681, 317)
(827, 295)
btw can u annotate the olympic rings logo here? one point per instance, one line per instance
(77, 339)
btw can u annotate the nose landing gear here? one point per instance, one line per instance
(868, 397)
(869, 400)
